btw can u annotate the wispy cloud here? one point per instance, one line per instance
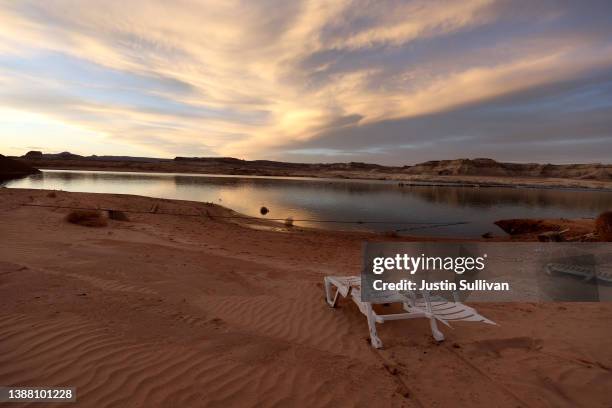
(286, 79)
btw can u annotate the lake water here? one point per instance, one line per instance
(378, 205)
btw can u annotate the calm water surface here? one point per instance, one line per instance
(397, 208)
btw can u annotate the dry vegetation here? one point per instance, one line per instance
(87, 218)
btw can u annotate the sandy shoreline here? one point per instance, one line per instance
(434, 181)
(168, 310)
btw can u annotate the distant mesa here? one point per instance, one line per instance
(492, 168)
(282, 165)
(33, 154)
(12, 169)
(441, 170)
(68, 155)
(210, 159)
(458, 167)
(37, 154)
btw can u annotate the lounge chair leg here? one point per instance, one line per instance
(374, 339)
(437, 334)
(328, 294)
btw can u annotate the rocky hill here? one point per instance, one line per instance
(10, 169)
(492, 168)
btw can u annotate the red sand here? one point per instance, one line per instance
(196, 311)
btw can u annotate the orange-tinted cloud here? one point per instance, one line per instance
(243, 78)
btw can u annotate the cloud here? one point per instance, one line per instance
(569, 121)
(285, 79)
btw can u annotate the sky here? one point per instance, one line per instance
(390, 82)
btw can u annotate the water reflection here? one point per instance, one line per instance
(351, 200)
(493, 196)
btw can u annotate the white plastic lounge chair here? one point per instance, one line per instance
(434, 308)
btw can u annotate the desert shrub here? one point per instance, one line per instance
(264, 210)
(288, 222)
(87, 218)
(603, 226)
(117, 215)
